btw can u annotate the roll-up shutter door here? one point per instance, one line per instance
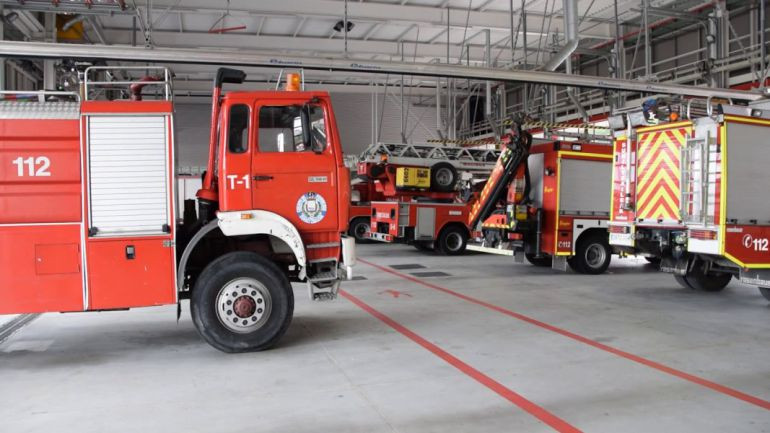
(585, 187)
(128, 174)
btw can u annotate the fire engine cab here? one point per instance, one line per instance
(88, 217)
(691, 194)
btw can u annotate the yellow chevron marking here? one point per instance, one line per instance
(681, 136)
(664, 165)
(647, 159)
(651, 167)
(653, 210)
(657, 189)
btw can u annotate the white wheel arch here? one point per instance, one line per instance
(268, 223)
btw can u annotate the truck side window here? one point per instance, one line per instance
(318, 127)
(280, 129)
(238, 133)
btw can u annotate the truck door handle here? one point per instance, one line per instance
(263, 177)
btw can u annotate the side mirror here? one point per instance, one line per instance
(307, 137)
(227, 75)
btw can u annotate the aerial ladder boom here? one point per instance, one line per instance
(517, 144)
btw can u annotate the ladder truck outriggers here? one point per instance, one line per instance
(690, 192)
(88, 218)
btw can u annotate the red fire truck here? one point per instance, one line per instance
(555, 211)
(446, 226)
(443, 167)
(690, 195)
(424, 224)
(547, 202)
(88, 220)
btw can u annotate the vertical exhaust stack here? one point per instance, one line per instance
(564, 55)
(208, 193)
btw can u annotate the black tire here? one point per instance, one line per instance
(264, 283)
(423, 246)
(451, 241)
(592, 255)
(545, 261)
(443, 177)
(765, 292)
(682, 280)
(708, 282)
(358, 228)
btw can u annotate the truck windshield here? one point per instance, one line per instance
(280, 129)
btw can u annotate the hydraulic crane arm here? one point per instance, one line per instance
(517, 144)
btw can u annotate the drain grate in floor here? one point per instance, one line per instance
(358, 277)
(430, 274)
(406, 266)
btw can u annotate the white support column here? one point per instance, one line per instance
(49, 73)
(2, 60)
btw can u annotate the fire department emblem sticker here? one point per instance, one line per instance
(311, 208)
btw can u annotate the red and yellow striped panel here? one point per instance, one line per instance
(658, 172)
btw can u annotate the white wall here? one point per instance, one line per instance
(354, 121)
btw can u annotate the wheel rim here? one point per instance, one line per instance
(595, 256)
(454, 241)
(361, 230)
(444, 176)
(243, 305)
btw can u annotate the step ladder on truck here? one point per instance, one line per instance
(689, 194)
(554, 210)
(428, 172)
(90, 219)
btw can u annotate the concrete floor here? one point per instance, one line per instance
(398, 355)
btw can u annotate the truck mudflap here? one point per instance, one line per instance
(755, 277)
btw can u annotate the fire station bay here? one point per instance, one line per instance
(401, 216)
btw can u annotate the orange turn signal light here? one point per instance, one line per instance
(292, 82)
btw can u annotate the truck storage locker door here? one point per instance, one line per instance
(426, 223)
(748, 176)
(130, 262)
(658, 174)
(536, 162)
(747, 233)
(40, 207)
(584, 187)
(128, 172)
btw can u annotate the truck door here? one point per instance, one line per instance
(236, 180)
(293, 167)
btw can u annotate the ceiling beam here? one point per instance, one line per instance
(298, 44)
(314, 62)
(377, 12)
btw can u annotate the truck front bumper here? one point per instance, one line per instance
(380, 237)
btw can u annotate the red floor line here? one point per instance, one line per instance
(533, 409)
(764, 404)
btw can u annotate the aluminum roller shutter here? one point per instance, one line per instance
(584, 187)
(128, 174)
